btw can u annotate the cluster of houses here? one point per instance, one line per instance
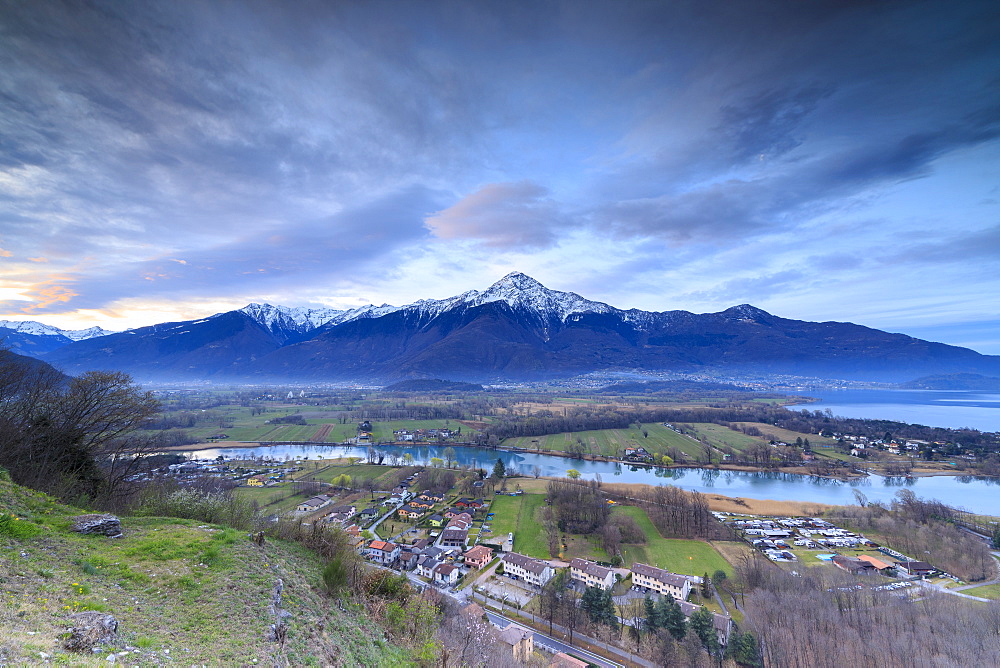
(251, 476)
(645, 578)
(772, 537)
(441, 564)
(404, 435)
(775, 537)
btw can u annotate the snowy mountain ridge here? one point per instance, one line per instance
(40, 329)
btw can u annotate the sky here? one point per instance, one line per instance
(820, 160)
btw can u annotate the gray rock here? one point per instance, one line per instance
(106, 525)
(91, 628)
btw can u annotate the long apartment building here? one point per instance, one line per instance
(660, 581)
(591, 574)
(532, 571)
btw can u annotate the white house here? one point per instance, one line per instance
(521, 567)
(313, 504)
(446, 574)
(383, 552)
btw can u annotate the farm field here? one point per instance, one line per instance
(610, 442)
(517, 514)
(789, 436)
(276, 499)
(357, 472)
(690, 557)
(720, 436)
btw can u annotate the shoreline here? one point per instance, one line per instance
(843, 476)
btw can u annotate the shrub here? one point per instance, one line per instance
(220, 507)
(336, 575)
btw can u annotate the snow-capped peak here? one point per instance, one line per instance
(89, 333)
(307, 319)
(745, 313)
(522, 291)
(298, 319)
(40, 329)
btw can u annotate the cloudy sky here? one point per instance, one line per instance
(821, 160)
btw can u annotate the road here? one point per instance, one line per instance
(555, 645)
(621, 653)
(374, 526)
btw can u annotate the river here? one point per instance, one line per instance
(955, 409)
(979, 495)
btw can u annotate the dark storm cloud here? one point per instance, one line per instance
(196, 149)
(862, 104)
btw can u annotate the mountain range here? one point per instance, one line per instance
(517, 329)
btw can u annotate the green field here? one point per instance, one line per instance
(517, 514)
(274, 500)
(689, 557)
(986, 591)
(357, 472)
(610, 442)
(720, 436)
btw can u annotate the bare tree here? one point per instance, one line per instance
(76, 437)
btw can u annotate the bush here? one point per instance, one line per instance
(220, 507)
(336, 575)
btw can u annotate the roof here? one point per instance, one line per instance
(514, 634)
(873, 561)
(564, 660)
(659, 574)
(382, 545)
(917, 565)
(479, 552)
(851, 563)
(450, 534)
(445, 569)
(536, 566)
(590, 568)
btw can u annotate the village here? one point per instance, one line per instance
(456, 529)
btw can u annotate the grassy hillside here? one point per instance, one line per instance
(182, 591)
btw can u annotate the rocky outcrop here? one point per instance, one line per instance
(106, 525)
(91, 629)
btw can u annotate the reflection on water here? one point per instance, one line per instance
(965, 491)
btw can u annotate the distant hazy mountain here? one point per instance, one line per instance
(954, 381)
(517, 329)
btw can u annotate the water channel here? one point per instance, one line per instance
(980, 495)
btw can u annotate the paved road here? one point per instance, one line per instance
(374, 526)
(622, 654)
(555, 645)
(945, 590)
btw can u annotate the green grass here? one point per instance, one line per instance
(986, 591)
(720, 436)
(690, 557)
(357, 472)
(517, 514)
(610, 442)
(200, 591)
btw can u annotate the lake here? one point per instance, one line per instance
(980, 495)
(954, 409)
